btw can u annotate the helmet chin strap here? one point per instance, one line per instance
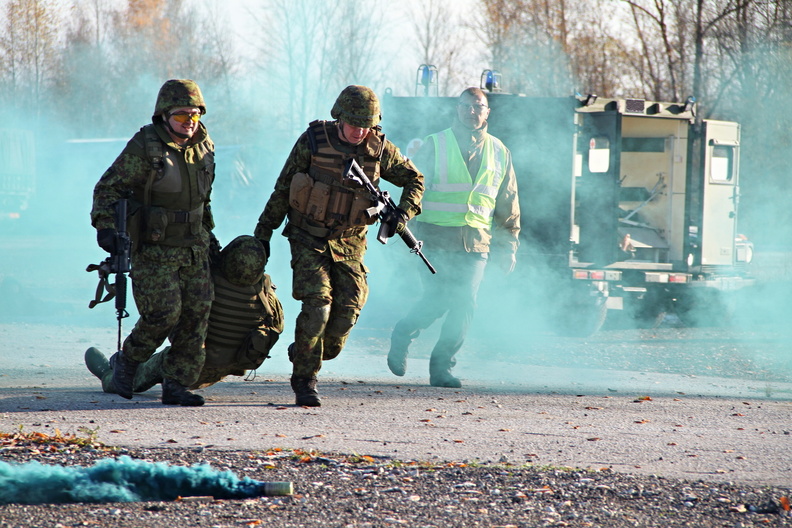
(341, 132)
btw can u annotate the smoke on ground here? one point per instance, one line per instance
(124, 480)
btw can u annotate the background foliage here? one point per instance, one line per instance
(91, 68)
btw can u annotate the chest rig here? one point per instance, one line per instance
(322, 202)
(170, 213)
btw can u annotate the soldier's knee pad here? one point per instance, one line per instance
(313, 319)
(341, 323)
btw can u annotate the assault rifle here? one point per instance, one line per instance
(118, 264)
(385, 211)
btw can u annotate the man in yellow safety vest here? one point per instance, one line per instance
(469, 205)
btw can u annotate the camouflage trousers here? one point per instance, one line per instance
(150, 373)
(332, 294)
(173, 300)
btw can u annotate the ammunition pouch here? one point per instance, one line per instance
(309, 197)
(318, 230)
(325, 208)
(158, 225)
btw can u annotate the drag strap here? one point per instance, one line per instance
(104, 283)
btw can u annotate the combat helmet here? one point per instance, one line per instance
(178, 92)
(357, 106)
(242, 261)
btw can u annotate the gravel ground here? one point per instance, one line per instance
(361, 491)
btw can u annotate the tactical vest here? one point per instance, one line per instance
(244, 324)
(454, 198)
(171, 206)
(322, 202)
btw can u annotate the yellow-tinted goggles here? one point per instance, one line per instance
(183, 118)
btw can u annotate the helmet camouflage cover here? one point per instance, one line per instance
(242, 261)
(357, 106)
(179, 92)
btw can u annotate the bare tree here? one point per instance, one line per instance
(115, 58)
(660, 33)
(676, 59)
(356, 51)
(29, 53)
(292, 56)
(440, 42)
(313, 49)
(87, 78)
(545, 47)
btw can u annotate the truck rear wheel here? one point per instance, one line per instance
(705, 307)
(640, 310)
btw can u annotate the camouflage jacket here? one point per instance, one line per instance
(394, 168)
(130, 172)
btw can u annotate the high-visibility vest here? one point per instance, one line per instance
(454, 198)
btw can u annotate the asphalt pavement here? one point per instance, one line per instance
(711, 428)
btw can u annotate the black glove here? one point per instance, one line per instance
(106, 239)
(266, 244)
(401, 218)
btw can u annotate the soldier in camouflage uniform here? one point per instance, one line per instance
(245, 322)
(166, 171)
(327, 226)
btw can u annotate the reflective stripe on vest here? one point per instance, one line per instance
(453, 199)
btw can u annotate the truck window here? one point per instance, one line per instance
(599, 155)
(721, 168)
(643, 144)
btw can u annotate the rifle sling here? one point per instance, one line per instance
(104, 284)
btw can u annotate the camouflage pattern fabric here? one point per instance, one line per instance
(149, 374)
(131, 170)
(178, 92)
(171, 284)
(320, 282)
(243, 260)
(357, 106)
(394, 168)
(244, 329)
(330, 273)
(173, 299)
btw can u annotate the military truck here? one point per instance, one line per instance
(17, 171)
(629, 207)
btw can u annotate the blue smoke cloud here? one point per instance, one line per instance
(125, 480)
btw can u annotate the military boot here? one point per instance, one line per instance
(397, 355)
(123, 374)
(440, 373)
(174, 393)
(305, 392)
(97, 362)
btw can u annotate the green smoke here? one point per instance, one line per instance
(124, 480)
